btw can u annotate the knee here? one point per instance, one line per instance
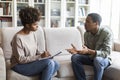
(50, 62)
(74, 57)
(98, 61)
(53, 63)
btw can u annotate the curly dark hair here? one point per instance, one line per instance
(29, 15)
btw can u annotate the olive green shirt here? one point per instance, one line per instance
(101, 42)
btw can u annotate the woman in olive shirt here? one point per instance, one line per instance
(26, 55)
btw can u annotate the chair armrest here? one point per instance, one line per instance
(117, 46)
(2, 66)
(81, 30)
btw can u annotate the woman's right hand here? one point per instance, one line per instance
(45, 54)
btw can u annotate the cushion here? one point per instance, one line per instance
(12, 75)
(7, 35)
(113, 71)
(66, 68)
(58, 39)
(2, 66)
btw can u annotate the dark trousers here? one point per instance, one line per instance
(98, 63)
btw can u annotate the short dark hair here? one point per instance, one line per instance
(96, 17)
(29, 15)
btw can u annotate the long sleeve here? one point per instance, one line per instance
(101, 42)
(104, 44)
(24, 49)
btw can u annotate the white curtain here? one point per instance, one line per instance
(115, 18)
(110, 12)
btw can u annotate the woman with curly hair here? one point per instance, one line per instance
(26, 54)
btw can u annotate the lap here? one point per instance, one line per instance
(32, 68)
(84, 59)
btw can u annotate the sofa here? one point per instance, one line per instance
(55, 40)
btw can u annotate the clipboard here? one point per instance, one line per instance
(50, 57)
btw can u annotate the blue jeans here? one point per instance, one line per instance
(98, 63)
(44, 68)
